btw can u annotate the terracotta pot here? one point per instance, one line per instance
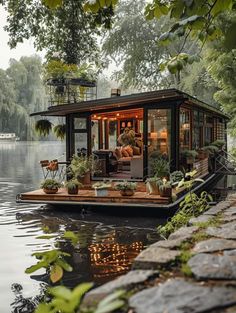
(152, 188)
(73, 191)
(166, 192)
(127, 192)
(50, 191)
(85, 180)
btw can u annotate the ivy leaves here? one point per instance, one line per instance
(94, 6)
(194, 19)
(53, 4)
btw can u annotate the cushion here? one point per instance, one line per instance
(136, 151)
(117, 153)
(124, 153)
(125, 159)
(129, 150)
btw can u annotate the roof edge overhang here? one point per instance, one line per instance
(128, 101)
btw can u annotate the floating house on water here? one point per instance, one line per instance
(126, 134)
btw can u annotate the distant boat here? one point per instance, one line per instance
(8, 137)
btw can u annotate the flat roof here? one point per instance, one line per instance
(120, 102)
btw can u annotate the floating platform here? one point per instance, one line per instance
(139, 203)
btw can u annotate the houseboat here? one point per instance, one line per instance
(128, 135)
(8, 137)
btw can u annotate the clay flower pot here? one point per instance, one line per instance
(50, 191)
(127, 192)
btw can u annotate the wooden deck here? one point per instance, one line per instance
(87, 196)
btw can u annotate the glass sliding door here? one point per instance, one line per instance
(158, 137)
(80, 135)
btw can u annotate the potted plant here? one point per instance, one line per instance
(218, 143)
(165, 188)
(176, 176)
(126, 188)
(50, 186)
(160, 167)
(202, 154)
(152, 185)
(43, 127)
(80, 168)
(211, 150)
(101, 189)
(73, 186)
(60, 131)
(190, 156)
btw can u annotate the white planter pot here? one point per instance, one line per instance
(101, 192)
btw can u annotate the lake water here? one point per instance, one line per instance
(106, 247)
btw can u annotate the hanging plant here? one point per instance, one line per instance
(60, 131)
(43, 127)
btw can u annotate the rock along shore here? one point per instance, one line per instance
(193, 271)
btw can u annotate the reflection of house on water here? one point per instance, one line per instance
(112, 259)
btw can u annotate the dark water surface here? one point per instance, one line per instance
(107, 244)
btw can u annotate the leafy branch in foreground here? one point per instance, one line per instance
(65, 300)
(53, 261)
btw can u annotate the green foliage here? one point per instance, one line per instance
(176, 176)
(53, 261)
(43, 127)
(192, 206)
(73, 184)
(164, 184)
(50, 183)
(101, 185)
(111, 302)
(160, 167)
(63, 299)
(218, 143)
(125, 185)
(80, 165)
(186, 270)
(189, 154)
(154, 179)
(60, 131)
(211, 149)
(197, 19)
(66, 28)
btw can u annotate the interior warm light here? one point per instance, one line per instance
(118, 114)
(105, 118)
(99, 117)
(153, 135)
(136, 116)
(129, 124)
(123, 124)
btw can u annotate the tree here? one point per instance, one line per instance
(66, 28)
(13, 117)
(132, 45)
(221, 59)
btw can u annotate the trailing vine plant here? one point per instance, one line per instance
(43, 127)
(192, 206)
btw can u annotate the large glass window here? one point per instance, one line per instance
(208, 130)
(95, 135)
(80, 143)
(80, 123)
(112, 134)
(184, 120)
(159, 134)
(196, 131)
